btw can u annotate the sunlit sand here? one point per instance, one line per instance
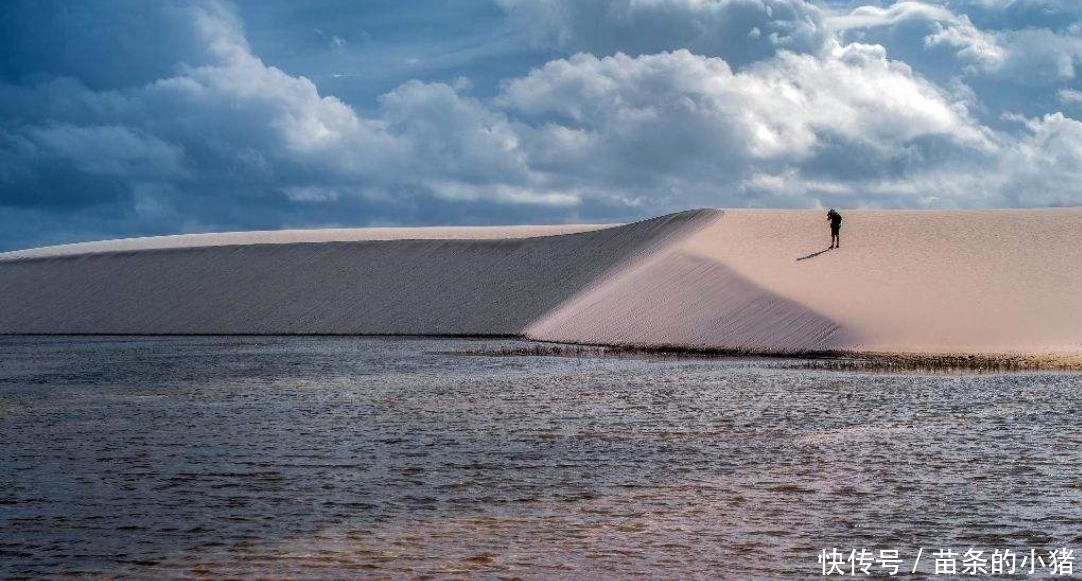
(762, 281)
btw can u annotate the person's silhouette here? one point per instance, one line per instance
(835, 228)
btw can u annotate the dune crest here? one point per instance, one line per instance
(992, 281)
(419, 285)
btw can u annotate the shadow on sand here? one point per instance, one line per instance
(813, 254)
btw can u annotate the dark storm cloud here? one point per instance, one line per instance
(105, 45)
(203, 135)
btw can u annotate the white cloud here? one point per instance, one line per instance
(1045, 167)
(458, 191)
(875, 16)
(939, 27)
(1070, 96)
(740, 31)
(225, 140)
(697, 109)
(1021, 55)
(972, 46)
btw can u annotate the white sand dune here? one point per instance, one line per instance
(300, 236)
(988, 281)
(905, 281)
(482, 282)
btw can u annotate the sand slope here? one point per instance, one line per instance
(487, 284)
(926, 281)
(681, 299)
(904, 281)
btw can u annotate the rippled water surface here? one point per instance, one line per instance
(345, 458)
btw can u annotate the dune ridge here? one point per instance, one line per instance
(298, 237)
(415, 285)
(758, 281)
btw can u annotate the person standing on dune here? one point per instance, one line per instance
(835, 227)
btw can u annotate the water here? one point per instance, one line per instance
(345, 458)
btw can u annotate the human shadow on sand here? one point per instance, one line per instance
(813, 255)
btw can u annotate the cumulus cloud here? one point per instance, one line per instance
(678, 117)
(983, 43)
(1044, 168)
(232, 141)
(939, 42)
(929, 25)
(649, 106)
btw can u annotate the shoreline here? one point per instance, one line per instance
(827, 360)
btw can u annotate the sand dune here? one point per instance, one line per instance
(680, 299)
(300, 236)
(904, 281)
(484, 284)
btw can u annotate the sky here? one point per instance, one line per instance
(131, 118)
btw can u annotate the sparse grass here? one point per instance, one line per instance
(864, 361)
(636, 351)
(937, 363)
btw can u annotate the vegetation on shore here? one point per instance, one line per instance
(938, 363)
